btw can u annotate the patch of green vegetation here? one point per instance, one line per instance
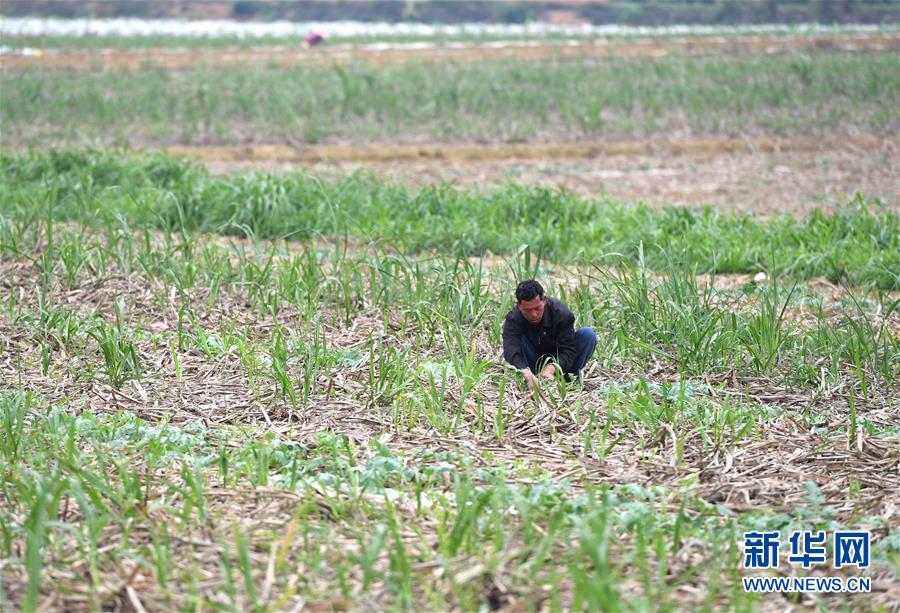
(572, 99)
(142, 216)
(858, 244)
(84, 495)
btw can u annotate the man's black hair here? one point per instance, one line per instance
(529, 289)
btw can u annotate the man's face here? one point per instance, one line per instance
(532, 310)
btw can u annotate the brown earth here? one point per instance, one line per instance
(134, 59)
(795, 175)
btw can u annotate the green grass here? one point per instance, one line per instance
(492, 101)
(858, 244)
(139, 216)
(150, 489)
(640, 282)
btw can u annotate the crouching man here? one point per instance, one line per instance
(541, 330)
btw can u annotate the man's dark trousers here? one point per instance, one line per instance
(585, 343)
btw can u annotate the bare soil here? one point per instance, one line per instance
(763, 176)
(135, 59)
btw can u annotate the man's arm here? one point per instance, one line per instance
(512, 344)
(512, 350)
(565, 340)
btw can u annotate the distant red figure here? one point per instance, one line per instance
(313, 38)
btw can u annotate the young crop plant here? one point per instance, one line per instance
(279, 358)
(120, 358)
(764, 336)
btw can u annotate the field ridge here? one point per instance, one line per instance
(378, 55)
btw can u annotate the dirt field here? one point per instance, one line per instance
(109, 59)
(760, 176)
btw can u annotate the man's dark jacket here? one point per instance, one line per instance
(553, 337)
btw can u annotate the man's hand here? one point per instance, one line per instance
(548, 372)
(530, 379)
